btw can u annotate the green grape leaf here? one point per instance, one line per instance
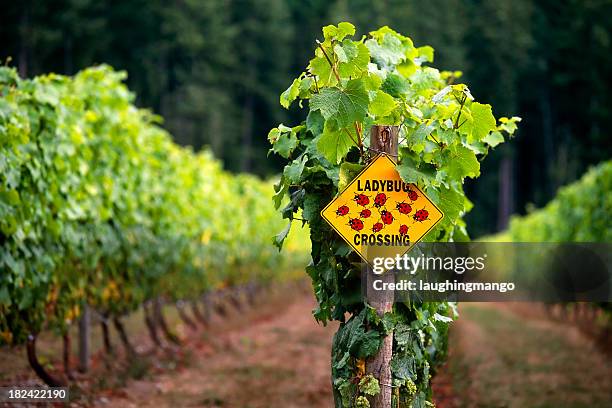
(291, 93)
(494, 138)
(345, 387)
(315, 122)
(345, 106)
(320, 67)
(417, 173)
(450, 201)
(279, 238)
(281, 189)
(387, 53)
(416, 139)
(483, 121)
(396, 86)
(426, 53)
(5, 297)
(352, 50)
(357, 59)
(440, 318)
(509, 125)
(340, 53)
(334, 145)
(364, 343)
(26, 300)
(403, 334)
(312, 207)
(11, 197)
(348, 172)
(460, 162)
(283, 142)
(293, 171)
(382, 104)
(404, 367)
(425, 79)
(338, 32)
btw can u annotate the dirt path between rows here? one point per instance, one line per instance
(279, 360)
(501, 356)
(278, 356)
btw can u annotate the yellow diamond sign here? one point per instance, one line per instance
(379, 215)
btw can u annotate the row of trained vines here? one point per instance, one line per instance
(580, 212)
(350, 85)
(99, 207)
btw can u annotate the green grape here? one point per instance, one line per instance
(411, 387)
(362, 402)
(369, 385)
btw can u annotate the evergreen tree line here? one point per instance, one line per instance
(214, 70)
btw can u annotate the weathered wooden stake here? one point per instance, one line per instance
(84, 336)
(383, 139)
(67, 340)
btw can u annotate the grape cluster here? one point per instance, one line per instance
(362, 402)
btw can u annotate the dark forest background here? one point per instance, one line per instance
(214, 70)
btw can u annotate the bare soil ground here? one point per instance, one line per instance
(512, 355)
(276, 355)
(280, 359)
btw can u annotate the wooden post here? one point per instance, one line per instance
(84, 336)
(383, 139)
(66, 355)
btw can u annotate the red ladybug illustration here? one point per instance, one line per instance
(412, 195)
(342, 210)
(421, 215)
(362, 199)
(356, 224)
(404, 208)
(403, 229)
(386, 217)
(365, 213)
(377, 227)
(380, 199)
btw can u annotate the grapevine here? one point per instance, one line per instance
(580, 212)
(349, 86)
(99, 208)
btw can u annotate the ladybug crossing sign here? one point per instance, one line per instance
(378, 214)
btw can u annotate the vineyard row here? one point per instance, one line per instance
(99, 208)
